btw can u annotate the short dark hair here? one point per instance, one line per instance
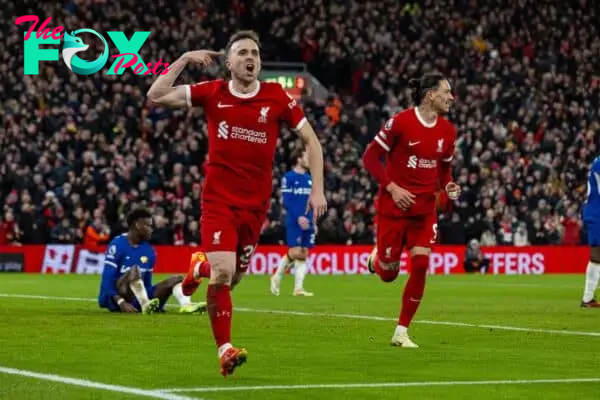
(297, 153)
(137, 214)
(241, 35)
(429, 81)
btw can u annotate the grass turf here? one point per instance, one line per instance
(73, 338)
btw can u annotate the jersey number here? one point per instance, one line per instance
(246, 255)
(435, 233)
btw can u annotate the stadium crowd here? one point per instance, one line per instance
(78, 152)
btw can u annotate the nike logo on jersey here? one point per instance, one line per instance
(224, 105)
(413, 143)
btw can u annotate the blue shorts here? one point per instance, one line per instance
(592, 230)
(108, 302)
(296, 237)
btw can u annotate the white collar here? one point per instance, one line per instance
(422, 121)
(244, 95)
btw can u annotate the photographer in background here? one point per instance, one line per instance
(475, 262)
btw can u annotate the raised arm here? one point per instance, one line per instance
(162, 90)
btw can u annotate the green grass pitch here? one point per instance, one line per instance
(464, 327)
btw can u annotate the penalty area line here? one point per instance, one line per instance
(345, 316)
(94, 385)
(378, 385)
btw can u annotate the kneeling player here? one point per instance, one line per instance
(127, 277)
(591, 218)
(300, 227)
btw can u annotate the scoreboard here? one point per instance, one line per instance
(292, 82)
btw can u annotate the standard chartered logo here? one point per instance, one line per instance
(239, 133)
(223, 130)
(412, 162)
(416, 162)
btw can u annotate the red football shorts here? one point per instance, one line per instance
(226, 228)
(394, 234)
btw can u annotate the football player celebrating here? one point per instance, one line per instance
(244, 117)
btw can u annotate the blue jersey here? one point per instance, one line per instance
(119, 258)
(296, 188)
(591, 209)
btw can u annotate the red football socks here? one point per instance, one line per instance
(386, 275)
(414, 289)
(219, 307)
(204, 270)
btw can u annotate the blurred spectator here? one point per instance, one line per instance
(572, 228)
(520, 238)
(488, 238)
(96, 234)
(161, 234)
(9, 230)
(475, 261)
(63, 233)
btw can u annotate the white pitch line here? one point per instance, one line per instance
(94, 385)
(377, 385)
(425, 322)
(347, 316)
(41, 297)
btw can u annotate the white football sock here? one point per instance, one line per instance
(182, 299)
(197, 270)
(400, 330)
(139, 291)
(283, 265)
(299, 273)
(223, 348)
(592, 275)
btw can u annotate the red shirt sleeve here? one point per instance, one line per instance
(292, 113)
(388, 134)
(373, 164)
(382, 143)
(197, 94)
(451, 146)
(445, 167)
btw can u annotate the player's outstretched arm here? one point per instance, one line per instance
(162, 90)
(317, 200)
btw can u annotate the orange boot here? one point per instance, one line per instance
(192, 280)
(231, 359)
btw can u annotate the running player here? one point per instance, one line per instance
(300, 229)
(244, 118)
(418, 146)
(591, 219)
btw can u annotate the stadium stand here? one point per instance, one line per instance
(78, 152)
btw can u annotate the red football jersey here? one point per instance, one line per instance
(242, 135)
(414, 151)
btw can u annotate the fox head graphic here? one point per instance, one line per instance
(73, 44)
